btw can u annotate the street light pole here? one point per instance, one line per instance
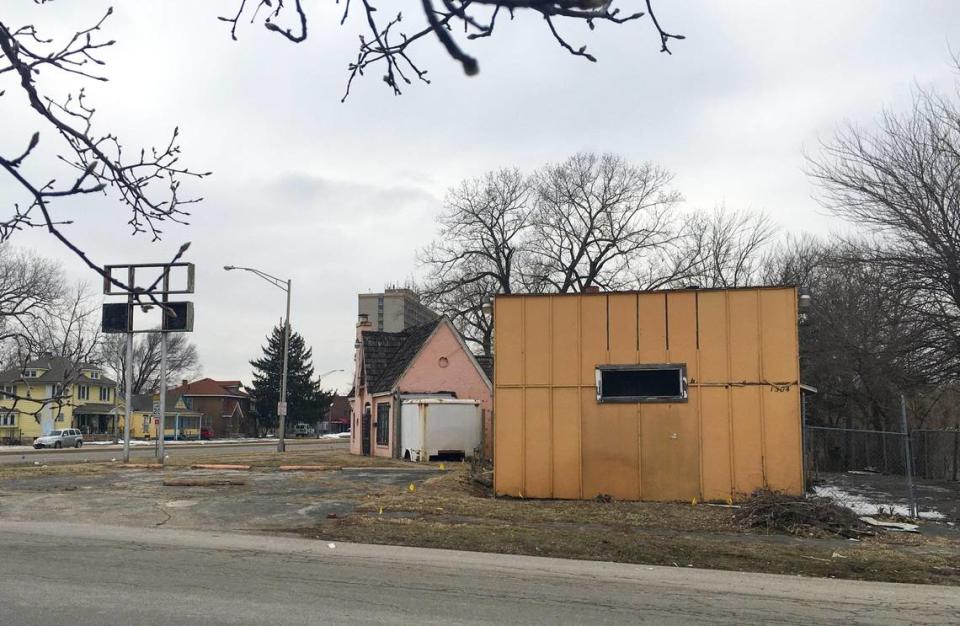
(281, 444)
(287, 286)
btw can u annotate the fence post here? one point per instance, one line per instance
(956, 452)
(908, 456)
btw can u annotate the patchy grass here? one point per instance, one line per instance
(272, 460)
(447, 510)
(450, 512)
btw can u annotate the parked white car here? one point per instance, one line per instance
(66, 438)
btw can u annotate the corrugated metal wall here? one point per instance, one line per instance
(739, 430)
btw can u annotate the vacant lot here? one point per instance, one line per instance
(366, 500)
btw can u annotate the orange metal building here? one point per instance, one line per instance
(666, 395)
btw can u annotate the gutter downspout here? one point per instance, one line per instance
(396, 424)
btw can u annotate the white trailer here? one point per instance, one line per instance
(439, 427)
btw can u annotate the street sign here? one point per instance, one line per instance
(156, 421)
(281, 409)
(156, 408)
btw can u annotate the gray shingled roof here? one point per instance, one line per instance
(486, 364)
(387, 355)
(59, 369)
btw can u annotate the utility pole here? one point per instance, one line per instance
(286, 285)
(129, 399)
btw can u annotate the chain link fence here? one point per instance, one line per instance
(935, 453)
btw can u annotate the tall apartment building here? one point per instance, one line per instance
(394, 310)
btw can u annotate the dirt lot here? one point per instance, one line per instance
(391, 502)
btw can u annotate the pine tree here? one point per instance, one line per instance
(305, 400)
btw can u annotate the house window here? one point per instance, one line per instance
(383, 424)
(60, 417)
(104, 394)
(8, 418)
(663, 382)
(83, 392)
(31, 373)
(94, 375)
(9, 389)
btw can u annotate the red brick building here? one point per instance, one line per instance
(224, 404)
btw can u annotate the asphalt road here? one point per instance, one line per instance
(147, 453)
(56, 573)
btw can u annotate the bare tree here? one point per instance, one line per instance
(146, 181)
(69, 327)
(182, 359)
(479, 251)
(864, 339)
(598, 221)
(900, 181)
(722, 249)
(30, 288)
(386, 43)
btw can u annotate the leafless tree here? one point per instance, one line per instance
(864, 339)
(30, 288)
(68, 327)
(146, 181)
(597, 221)
(721, 249)
(182, 359)
(479, 251)
(385, 41)
(900, 182)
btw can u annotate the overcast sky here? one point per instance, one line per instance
(339, 197)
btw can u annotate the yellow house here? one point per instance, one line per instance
(181, 422)
(53, 392)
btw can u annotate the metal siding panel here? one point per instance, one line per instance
(781, 408)
(682, 330)
(747, 440)
(744, 336)
(782, 429)
(623, 328)
(670, 455)
(685, 416)
(713, 337)
(609, 438)
(508, 320)
(652, 330)
(652, 327)
(566, 443)
(508, 442)
(565, 337)
(537, 466)
(536, 341)
(593, 336)
(716, 464)
(715, 455)
(779, 326)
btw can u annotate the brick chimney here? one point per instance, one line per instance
(184, 383)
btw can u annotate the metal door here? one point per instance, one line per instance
(365, 431)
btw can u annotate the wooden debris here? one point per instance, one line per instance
(798, 515)
(219, 466)
(308, 468)
(205, 481)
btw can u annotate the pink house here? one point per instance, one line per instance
(431, 359)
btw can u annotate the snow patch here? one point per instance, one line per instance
(863, 506)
